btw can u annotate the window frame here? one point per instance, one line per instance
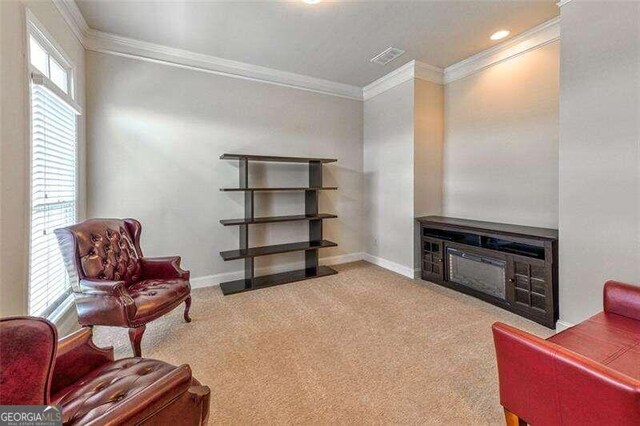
(36, 30)
(46, 41)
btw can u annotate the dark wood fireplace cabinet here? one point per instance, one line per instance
(311, 215)
(511, 266)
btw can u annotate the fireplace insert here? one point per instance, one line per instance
(480, 273)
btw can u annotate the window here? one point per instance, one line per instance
(53, 171)
(47, 65)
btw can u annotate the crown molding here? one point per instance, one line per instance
(563, 2)
(110, 43)
(534, 38)
(410, 70)
(72, 15)
(389, 81)
(529, 40)
(103, 42)
(427, 72)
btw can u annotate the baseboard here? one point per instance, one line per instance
(417, 273)
(216, 279)
(342, 258)
(213, 280)
(563, 325)
(392, 266)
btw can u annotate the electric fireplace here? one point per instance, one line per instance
(511, 266)
(481, 273)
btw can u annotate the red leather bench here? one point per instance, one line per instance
(588, 374)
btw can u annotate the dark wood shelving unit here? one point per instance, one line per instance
(312, 268)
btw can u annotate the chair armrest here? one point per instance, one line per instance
(103, 302)
(151, 400)
(622, 299)
(163, 268)
(94, 286)
(77, 356)
(544, 383)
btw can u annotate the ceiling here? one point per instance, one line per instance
(329, 40)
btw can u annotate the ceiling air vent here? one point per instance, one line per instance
(387, 56)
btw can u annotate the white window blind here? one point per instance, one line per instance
(53, 195)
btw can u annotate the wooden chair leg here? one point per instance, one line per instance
(187, 303)
(513, 419)
(135, 336)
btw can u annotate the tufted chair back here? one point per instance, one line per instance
(27, 353)
(103, 249)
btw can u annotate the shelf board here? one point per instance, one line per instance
(276, 159)
(239, 286)
(275, 249)
(274, 219)
(279, 189)
(470, 226)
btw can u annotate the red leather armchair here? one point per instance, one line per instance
(113, 283)
(90, 387)
(588, 374)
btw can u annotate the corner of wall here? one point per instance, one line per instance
(428, 147)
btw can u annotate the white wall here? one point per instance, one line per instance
(155, 136)
(15, 140)
(501, 141)
(599, 152)
(388, 175)
(428, 152)
(428, 147)
(471, 149)
(403, 142)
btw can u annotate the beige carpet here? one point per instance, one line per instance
(365, 346)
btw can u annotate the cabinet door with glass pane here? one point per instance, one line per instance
(432, 263)
(529, 285)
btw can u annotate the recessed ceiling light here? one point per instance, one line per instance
(312, 1)
(499, 35)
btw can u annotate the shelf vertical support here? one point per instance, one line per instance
(248, 214)
(311, 209)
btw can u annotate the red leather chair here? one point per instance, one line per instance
(588, 374)
(113, 283)
(90, 387)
